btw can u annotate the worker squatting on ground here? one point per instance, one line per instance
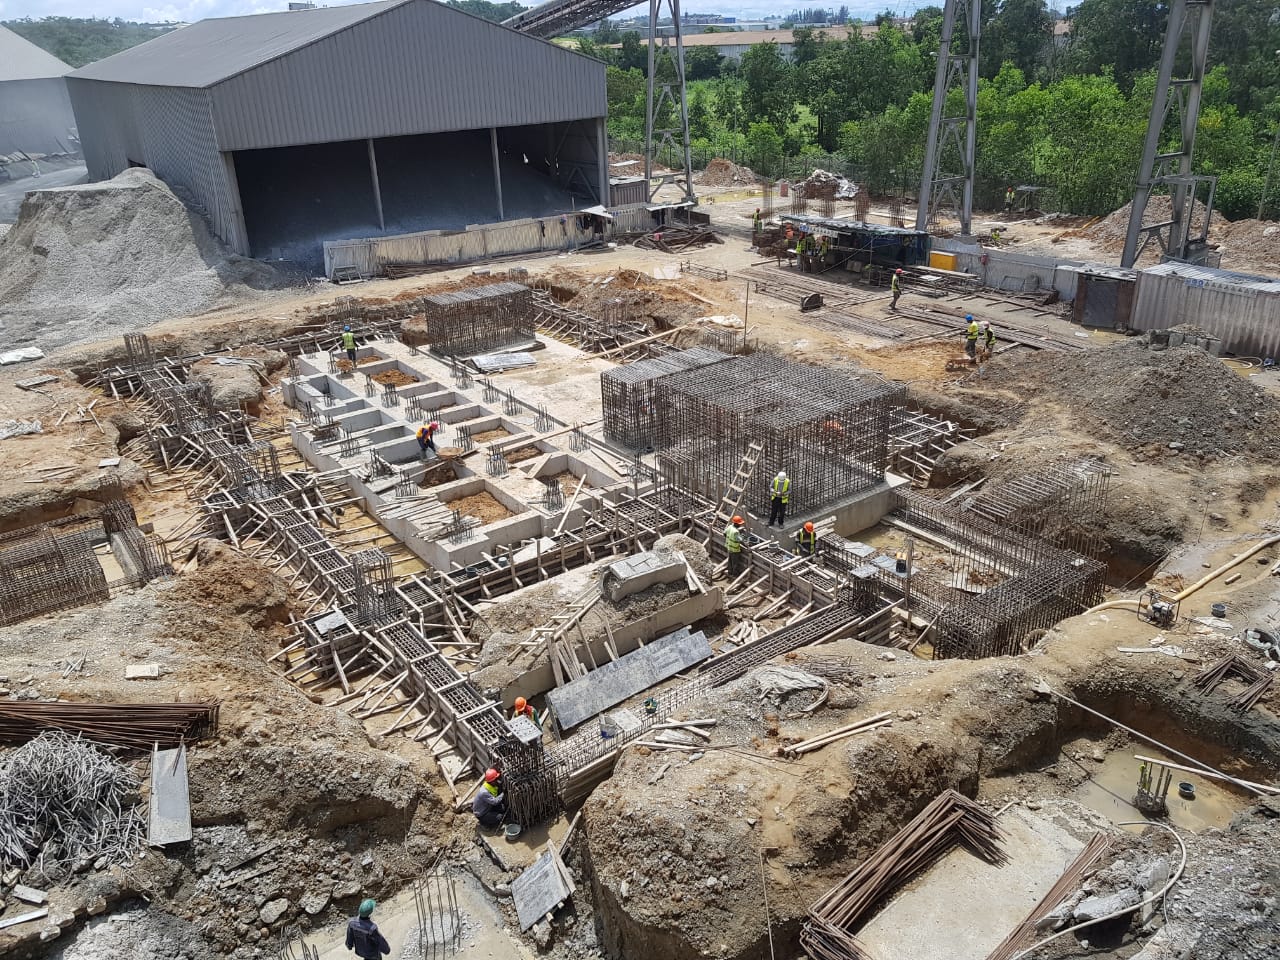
(349, 345)
(971, 334)
(895, 285)
(779, 495)
(807, 540)
(425, 435)
(733, 545)
(523, 708)
(363, 935)
(490, 804)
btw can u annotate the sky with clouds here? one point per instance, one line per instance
(157, 11)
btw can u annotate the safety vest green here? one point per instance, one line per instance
(807, 539)
(974, 331)
(348, 341)
(895, 285)
(732, 538)
(782, 488)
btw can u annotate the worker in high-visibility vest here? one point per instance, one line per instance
(807, 540)
(779, 495)
(733, 545)
(971, 334)
(349, 345)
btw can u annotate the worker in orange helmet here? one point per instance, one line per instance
(490, 804)
(807, 540)
(523, 708)
(733, 545)
(425, 435)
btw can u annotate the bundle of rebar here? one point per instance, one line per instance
(1024, 933)
(63, 802)
(676, 238)
(951, 819)
(130, 726)
(1235, 665)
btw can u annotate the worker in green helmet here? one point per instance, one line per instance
(363, 935)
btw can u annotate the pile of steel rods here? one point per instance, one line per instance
(1235, 665)
(63, 801)
(948, 820)
(1025, 933)
(132, 726)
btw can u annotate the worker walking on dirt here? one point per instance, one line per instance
(895, 285)
(523, 708)
(733, 545)
(971, 334)
(756, 222)
(349, 345)
(490, 804)
(363, 935)
(1008, 200)
(779, 495)
(988, 338)
(807, 540)
(426, 434)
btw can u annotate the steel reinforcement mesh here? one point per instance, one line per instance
(829, 431)
(1038, 585)
(480, 320)
(50, 567)
(627, 394)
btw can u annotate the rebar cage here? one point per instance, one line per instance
(627, 394)
(480, 320)
(829, 431)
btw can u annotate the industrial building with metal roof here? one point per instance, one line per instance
(354, 121)
(35, 114)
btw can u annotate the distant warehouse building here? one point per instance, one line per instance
(355, 121)
(35, 114)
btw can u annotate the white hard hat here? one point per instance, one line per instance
(984, 324)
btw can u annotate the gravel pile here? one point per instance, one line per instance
(724, 173)
(95, 260)
(1109, 233)
(1180, 398)
(822, 185)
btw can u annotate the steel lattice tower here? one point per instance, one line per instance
(949, 155)
(658, 95)
(1189, 22)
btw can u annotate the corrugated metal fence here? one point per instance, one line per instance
(369, 257)
(1241, 311)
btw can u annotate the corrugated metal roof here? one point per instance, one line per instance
(20, 59)
(1187, 271)
(204, 53)
(849, 226)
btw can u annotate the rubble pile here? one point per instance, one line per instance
(822, 185)
(1180, 399)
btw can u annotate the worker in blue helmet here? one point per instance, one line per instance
(363, 935)
(972, 332)
(349, 344)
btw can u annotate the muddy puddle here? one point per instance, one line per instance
(1112, 784)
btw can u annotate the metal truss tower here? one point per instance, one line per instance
(663, 95)
(949, 154)
(1189, 22)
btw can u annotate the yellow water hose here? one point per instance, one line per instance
(1206, 579)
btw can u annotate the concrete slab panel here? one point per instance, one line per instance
(582, 699)
(170, 820)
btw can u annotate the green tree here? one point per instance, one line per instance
(701, 63)
(764, 147)
(1124, 35)
(633, 54)
(701, 119)
(497, 12)
(766, 93)
(77, 42)
(1017, 32)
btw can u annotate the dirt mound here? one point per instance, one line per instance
(822, 185)
(725, 173)
(660, 304)
(87, 261)
(1179, 399)
(1249, 242)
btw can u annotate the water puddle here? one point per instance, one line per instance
(1112, 784)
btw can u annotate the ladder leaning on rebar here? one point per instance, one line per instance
(737, 488)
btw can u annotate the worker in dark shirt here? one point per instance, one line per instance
(490, 804)
(364, 937)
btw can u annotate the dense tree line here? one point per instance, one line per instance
(1066, 113)
(77, 41)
